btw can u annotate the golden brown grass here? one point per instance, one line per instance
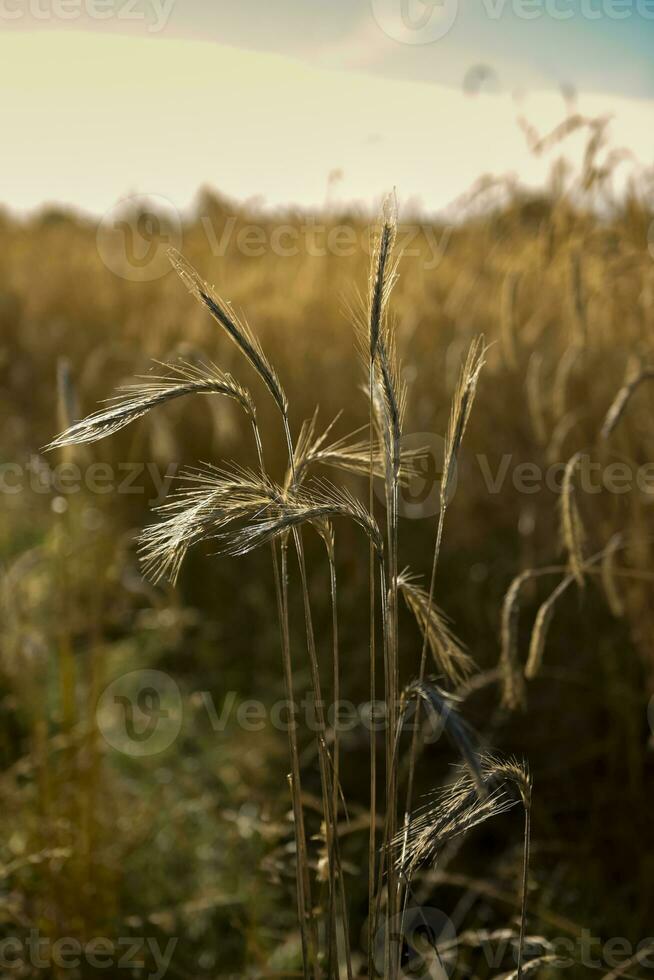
(568, 323)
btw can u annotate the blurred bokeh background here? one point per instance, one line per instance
(258, 139)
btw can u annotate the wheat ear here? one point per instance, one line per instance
(237, 329)
(572, 529)
(449, 656)
(613, 596)
(136, 400)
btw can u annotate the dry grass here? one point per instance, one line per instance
(570, 298)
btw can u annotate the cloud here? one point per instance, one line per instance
(364, 47)
(164, 116)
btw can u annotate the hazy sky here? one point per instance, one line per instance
(107, 97)
(591, 49)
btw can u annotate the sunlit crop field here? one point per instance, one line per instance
(182, 850)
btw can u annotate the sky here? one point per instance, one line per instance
(107, 98)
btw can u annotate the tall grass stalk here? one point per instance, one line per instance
(459, 415)
(372, 836)
(386, 411)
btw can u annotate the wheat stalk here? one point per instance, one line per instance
(461, 407)
(513, 686)
(619, 404)
(508, 317)
(518, 774)
(535, 400)
(386, 406)
(578, 298)
(290, 520)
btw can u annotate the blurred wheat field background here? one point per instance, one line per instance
(195, 842)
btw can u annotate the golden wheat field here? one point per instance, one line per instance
(186, 666)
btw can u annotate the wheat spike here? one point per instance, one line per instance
(446, 650)
(513, 685)
(136, 400)
(572, 529)
(454, 811)
(619, 404)
(389, 401)
(347, 454)
(383, 274)
(201, 510)
(237, 329)
(542, 625)
(609, 581)
(442, 707)
(462, 402)
(321, 501)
